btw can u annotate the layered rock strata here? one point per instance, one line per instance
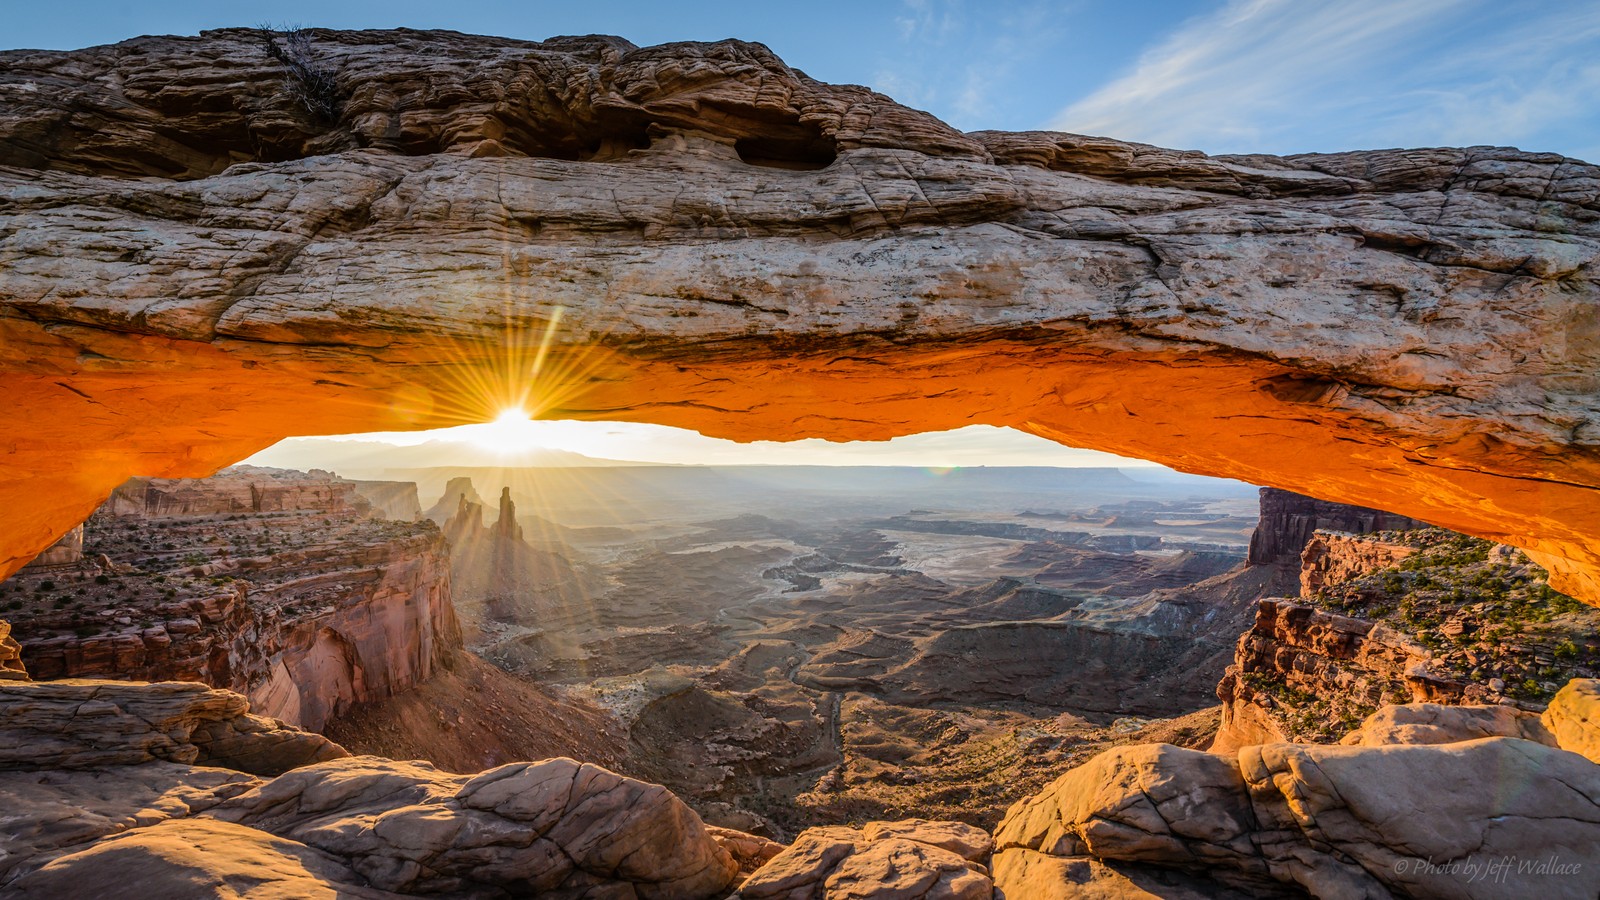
(307, 610)
(258, 489)
(1329, 559)
(737, 248)
(1289, 522)
(1300, 651)
(1416, 616)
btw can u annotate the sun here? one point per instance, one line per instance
(513, 431)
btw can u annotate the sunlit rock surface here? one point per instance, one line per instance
(1332, 821)
(914, 859)
(200, 258)
(1573, 717)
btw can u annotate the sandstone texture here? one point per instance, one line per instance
(1573, 717)
(197, 859)
(85, 724)
(1433, 723)
(51, 813)
(1294, 650)
(1279, 819)
(206, 250)
(1029, 874)
(914, 860)
(67, 550)
(11, 667)
(556, 828)
(156, 782)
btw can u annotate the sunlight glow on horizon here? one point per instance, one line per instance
(513, 431)
(514, 439)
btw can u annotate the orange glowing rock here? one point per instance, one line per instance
(724, 244)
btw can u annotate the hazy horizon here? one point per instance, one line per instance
(512, 442)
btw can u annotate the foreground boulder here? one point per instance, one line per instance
(552, 829)
(197, 859)
(1436, 723)
(910, 860)
(1031, 875)
(80, 724)
(1418, 821)
(48, 814)
(1573, 717)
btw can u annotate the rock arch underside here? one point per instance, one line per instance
(204, 250)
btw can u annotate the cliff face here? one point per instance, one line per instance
(256, 489)
(1295, 658)
(1404, 617)
(391, 499)
(737, 248)
(1333, 559)
(67, 550)
(306, 611)
(1288, 521)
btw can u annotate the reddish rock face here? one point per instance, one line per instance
(198, 263)
(1333, 558)
(306, 608)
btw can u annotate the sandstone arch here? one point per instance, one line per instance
(194, 267)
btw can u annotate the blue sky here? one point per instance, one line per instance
(1278, 76)
(1224, 76)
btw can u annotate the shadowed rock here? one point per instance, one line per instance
(83, 723)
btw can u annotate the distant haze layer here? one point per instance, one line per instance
(515, 442)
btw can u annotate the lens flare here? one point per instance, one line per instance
(511, 432)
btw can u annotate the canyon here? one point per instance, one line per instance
(796, 693)
(971, 684)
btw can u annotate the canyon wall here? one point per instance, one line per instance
(258, 489)
(1288, 521)
(1420, 616)
(1297, 656)
(306, 606)
(700, 235)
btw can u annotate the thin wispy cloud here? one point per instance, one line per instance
(1295, 75)
(964, 60)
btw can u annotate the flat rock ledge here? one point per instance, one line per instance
(88, 723)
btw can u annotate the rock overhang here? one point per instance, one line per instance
(1411, 330)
